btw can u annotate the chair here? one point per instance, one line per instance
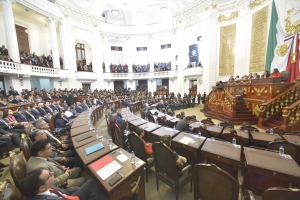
(239, 96)
(226, 124)
(161, 121)
(9, 191)
(204, 132)
(211, 182)
(229, 136)
(25, 146)
(137, 145)
(207, 121)
(51, 123)
(247, 126)
(289, 148)
(17, 168)
(119, 137)
(143, 115)
(285, 75)
(151, 118)
(166, 168)
(276, 131)
(276, 193)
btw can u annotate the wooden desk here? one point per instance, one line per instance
(160, 114)
(191, 151)
(224, 154)
(85, 141)
(132, 117)
(79, 119)
(156, 135)
(195, 124)
(79, 123)
(266, 169)
(262, 139)
(81, 129)
(138, 122)
(132, 184)
(242, 133)
(87, 159)
(148, 128)
(294, 139)
(214, 130)
(173, 122)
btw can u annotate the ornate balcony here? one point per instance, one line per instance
(193, 73)
(85, 77)
(146, 75)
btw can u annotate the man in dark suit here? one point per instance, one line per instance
(78, 108)
(183, 125)
(55, 106)
(20, 115)
(84, 106)
(10, 138)
(13, 92)
(2, 92)
(8, 130)
(29, 115)
(70, 99)
(48, 109)
(17, 100)
(43, 188)
(34, 111)
(4, 50)
(41, 109)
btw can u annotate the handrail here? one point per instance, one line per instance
(291, 116)
(280, 95)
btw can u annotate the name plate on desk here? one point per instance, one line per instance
(83, 137)
(94, 148)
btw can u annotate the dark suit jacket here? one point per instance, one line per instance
(13, 92)
(53, 107)
(4, 126)
(84, 106)
(70, 99)
(42, 111)
(182, 125)
(29, 117)
(14, 101)
(48, 110)
(67, 191)
(79, 109)
(35, 113)
(20, 118)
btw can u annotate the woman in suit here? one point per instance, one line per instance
(11, 120)
(60, 122)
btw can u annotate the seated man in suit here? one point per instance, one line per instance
(84, 106)
(183, 125)
(34, 111)
(42, 110)
(12, 91)
(64, 144)
(17, 99)
(43, 188)
(29, 115)
(48, 109)
(21, 115)
(78, 108)
(40, 152)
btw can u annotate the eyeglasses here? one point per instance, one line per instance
(50, 175)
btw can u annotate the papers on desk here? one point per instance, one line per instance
(122, 158)
(186, 140)
(68, 113)
(105, 166)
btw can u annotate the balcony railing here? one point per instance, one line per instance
(145, 75)
(193, 72)
(18, 68)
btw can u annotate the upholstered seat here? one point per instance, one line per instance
(285, 75)
(137, 145)
(166, 168)
(25, 146)
(17, 167)
(9, 191)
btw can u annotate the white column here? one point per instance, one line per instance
(10, 30)
(107, 54)
(54, 45)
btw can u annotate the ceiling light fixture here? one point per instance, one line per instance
(164, 10)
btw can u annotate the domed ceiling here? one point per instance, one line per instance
(130, 12)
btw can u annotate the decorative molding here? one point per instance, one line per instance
(289, 27)
(214, 6)
(9, 1)
(255, 3)
(233, 15)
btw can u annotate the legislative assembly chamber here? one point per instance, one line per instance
(150, 99)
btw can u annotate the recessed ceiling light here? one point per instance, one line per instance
(115, 13)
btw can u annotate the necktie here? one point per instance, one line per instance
(57, 140)
(30, 115)
(64, 196)
(36, 110)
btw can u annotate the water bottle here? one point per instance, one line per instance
(97, 134)
(127, 109)
(132, 158)
(281, 151)
(174, 128)
(271, 131)
(234, 141)
(199, 134)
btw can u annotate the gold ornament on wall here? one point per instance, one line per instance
(214, 5)
(282, 50)
(255, 3)
(206, 8)
(233, 15)
(259, 91)
(289, 27)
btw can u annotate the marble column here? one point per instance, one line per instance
(54, 44)
(10, 30)
(107, 54)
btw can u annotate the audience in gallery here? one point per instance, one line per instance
(4, 54)
(160, 66)
(118, 68)
(82, 66)
(275, 74)
(194, 64)
(33, 59)
(140, 68)
(161, 87)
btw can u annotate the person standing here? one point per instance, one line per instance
(199, 98)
